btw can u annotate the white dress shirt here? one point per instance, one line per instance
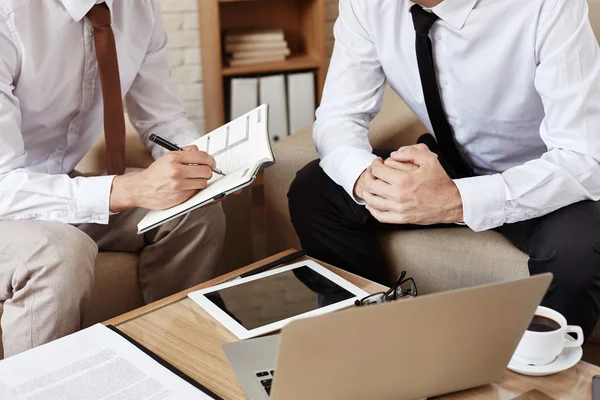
(520, 84)
(51, 109)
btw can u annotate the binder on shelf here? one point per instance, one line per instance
(301, 100)
(272, 92)
(244, 96)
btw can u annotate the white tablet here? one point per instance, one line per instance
(266, 302)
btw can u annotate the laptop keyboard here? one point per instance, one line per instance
(266, 380)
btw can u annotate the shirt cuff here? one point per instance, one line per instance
(483, 199)
(93, 199)
(349, 170)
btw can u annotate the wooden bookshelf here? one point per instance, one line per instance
(303, 23)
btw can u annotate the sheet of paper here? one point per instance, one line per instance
(240, 144)
(95, 363)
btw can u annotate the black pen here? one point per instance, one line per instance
(161, 141)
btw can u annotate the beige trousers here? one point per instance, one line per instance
(47, 268)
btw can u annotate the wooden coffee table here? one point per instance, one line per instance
(182, 333)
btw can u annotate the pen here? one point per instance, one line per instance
(161, 141)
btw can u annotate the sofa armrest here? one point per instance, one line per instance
(393, 127)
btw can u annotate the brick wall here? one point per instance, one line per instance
(181, 23)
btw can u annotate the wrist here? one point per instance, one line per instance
(359, 186)
(121, 197)
(456, 205)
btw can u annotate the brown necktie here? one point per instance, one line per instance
(114, 119)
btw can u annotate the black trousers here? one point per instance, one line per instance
(333, 228)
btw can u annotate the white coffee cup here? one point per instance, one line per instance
(542, 348)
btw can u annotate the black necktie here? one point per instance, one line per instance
(423, 21)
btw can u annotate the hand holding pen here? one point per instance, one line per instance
(172, 179)
(173, 147)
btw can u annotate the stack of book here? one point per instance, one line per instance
(255, 47)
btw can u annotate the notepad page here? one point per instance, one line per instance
(240, 144)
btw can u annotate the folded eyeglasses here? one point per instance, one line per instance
(403, 288)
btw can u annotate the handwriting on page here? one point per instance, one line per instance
(234, 147)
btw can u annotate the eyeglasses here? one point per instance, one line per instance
(403, 288)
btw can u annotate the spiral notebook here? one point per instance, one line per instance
(241, 149)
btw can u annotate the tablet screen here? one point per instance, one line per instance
(277, 297)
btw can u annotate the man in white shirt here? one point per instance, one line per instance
(58, 72)
(510, 89)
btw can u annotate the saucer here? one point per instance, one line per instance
(565, 360)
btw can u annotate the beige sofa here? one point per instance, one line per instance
(116, 288)
(439, 259)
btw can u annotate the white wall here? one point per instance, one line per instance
(181, 23)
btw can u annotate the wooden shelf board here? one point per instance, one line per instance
(293, 63)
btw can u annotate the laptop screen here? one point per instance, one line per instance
(277, 297)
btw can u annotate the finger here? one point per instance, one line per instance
(379, 188)
(192, 184)
(191, 147)
(414, 154)
(386, 217)
(385, 173)
(379, 203)
(195, 157)
(402, 166)
(196, 171)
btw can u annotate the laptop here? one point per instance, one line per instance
(409, 349)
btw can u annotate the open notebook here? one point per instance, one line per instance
(241, 149)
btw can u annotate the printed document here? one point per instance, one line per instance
(95, 363)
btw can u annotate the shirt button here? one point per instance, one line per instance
(451, 121)
(488, 222)
(95, 217)
(444, 82)
(438, 36)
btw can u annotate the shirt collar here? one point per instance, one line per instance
(455, 12)
(77, 9)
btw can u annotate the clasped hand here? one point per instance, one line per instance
(410, 187)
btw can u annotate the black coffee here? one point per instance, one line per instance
(543, 324)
